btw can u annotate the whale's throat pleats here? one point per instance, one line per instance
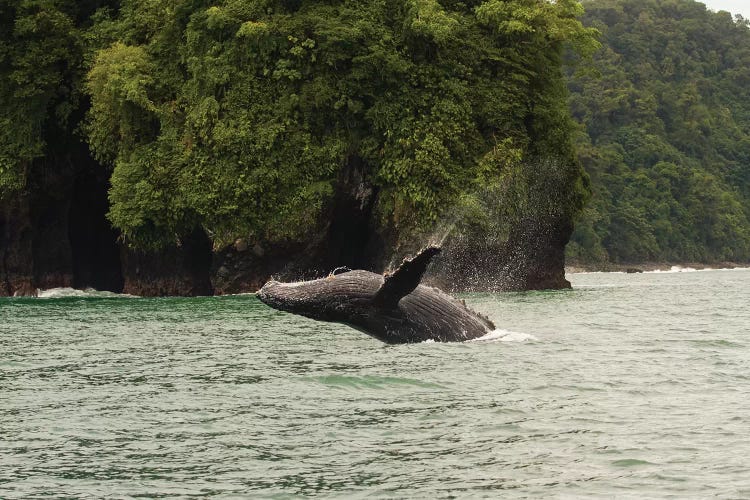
(404, 280)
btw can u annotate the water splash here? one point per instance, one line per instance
(438, 237)
(674, 269)
(500, 335)
(67, 292)
(491, 237)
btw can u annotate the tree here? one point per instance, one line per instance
(239, 115)
(664, 134)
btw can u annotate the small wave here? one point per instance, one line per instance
(576, 273)
(372, 382)
(675, 269)
(680, 269)
(66, 292)
(631, 462)
(505, 336)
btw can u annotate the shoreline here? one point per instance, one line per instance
(650, 267)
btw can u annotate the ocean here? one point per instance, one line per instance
(627, 386)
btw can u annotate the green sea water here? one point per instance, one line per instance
(626, 386)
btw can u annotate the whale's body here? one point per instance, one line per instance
(393, 308)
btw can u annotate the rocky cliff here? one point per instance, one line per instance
(56, 235)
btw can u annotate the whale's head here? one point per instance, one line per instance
(334, 298)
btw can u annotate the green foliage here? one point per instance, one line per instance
(43, 49)
(39, 50)
(239, 115)
(122, 80)
(664, 134)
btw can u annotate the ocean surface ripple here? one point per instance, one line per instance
(627, 386)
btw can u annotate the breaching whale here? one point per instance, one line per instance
(393, 307)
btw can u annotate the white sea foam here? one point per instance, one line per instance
(594, 272)
(61, 293)
(500, 335)
(497, 335)
(680, 269)
(675, 269)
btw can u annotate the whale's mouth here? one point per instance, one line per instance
(294, 297)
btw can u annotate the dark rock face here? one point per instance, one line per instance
(34, 246)
(531, 257)
(349, 238)
(66, 241)
(56, 234)
(16, 239)
(95, 253)
(47, 243)
(177, 271)
(244, 268)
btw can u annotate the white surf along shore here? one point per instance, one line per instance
(652, 269)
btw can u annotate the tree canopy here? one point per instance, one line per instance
(664, 132)
(238, 115)
(40, 54)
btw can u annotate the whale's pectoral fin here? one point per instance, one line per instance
(405, 279)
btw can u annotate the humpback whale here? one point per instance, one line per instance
(393, 308)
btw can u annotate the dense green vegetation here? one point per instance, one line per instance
(238, 116)
(40, 53)
(665, 134)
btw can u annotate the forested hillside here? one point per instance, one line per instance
(291, 134)
(664, 134)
